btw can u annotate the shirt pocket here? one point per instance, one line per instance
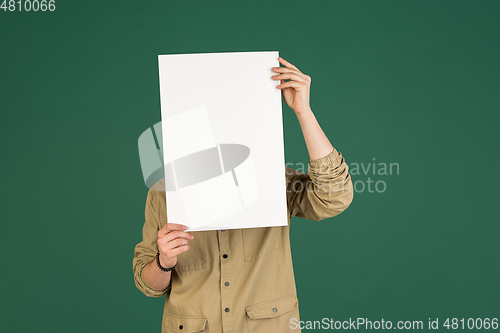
(257, 242)
(185, 324)
(196, 256)
(274, 315)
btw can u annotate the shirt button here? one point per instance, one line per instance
(224, 256)
(181, 327)
(223, 230)
(226, 284)
(227, 309)
(275, 310)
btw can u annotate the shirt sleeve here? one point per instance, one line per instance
(325, 191)
(146, 250)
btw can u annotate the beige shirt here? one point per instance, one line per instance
(241, 280)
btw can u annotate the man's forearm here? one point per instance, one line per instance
(317, 143)
(155, 277)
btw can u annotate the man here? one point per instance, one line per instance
(241, 280)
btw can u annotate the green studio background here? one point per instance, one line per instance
(414, 83)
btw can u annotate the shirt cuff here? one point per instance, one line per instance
(153, 291)
(333, 159)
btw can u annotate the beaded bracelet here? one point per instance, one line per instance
(160, 266)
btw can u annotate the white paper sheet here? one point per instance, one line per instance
(222, 133)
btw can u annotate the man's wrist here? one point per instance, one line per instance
(307, 112)
(162, 265)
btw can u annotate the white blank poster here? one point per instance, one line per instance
(222, 133)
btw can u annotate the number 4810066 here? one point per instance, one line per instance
(29, 5)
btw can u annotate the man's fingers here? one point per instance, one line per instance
(173, 235)
(290, 76)
(170, 227)
(291, 84)
(284, 70)
(173, 240)
(179, 250)
(286, 63)
(176, 243)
